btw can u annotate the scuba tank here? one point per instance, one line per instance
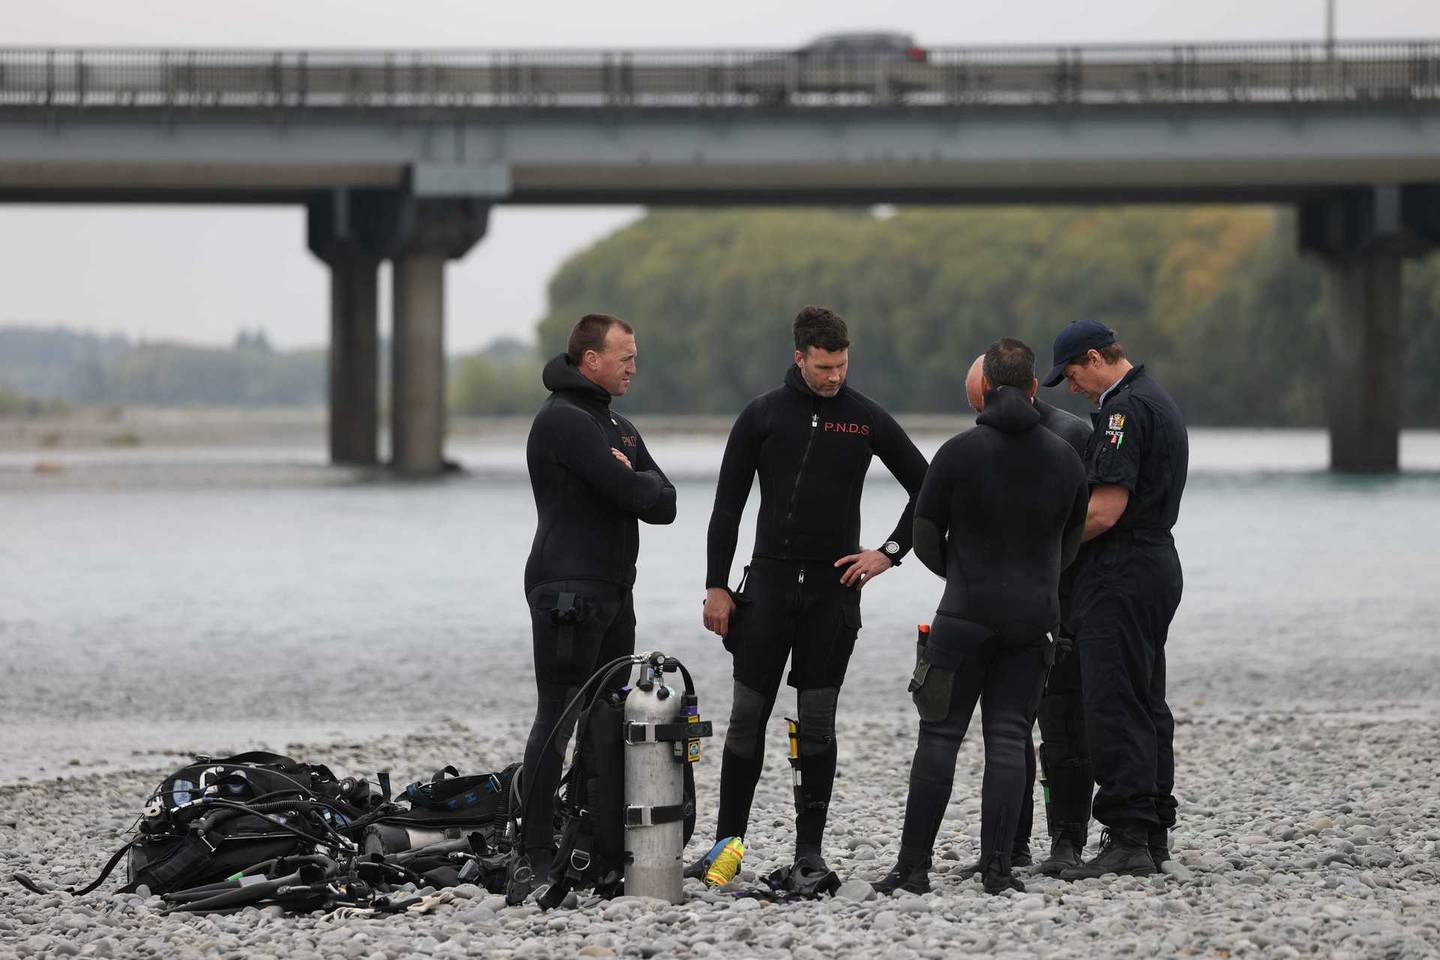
(654, 787)
(628, 800)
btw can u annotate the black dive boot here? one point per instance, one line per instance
(527, 873)
(1159, 843)
(1123, 851)
(1019, 857)
(912, 878)
(1064, 855)
(996, 876)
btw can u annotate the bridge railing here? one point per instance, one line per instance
(947, 77)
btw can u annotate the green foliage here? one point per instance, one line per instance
(15, 404)
(1215, 300)
(502, 379)
(172, 374)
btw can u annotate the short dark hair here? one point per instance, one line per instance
(1113, 353)
(1009, 363)
(820, 327)
(589, 334)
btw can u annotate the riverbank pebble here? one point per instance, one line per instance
(1280, 850)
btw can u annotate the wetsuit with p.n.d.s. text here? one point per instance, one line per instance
(811, 454)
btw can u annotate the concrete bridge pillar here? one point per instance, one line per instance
(1361, 238)
(354, 339)
(1364, 377)
(417, 364)
(419, 234)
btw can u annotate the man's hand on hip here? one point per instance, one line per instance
(718, 607)
(864, 567)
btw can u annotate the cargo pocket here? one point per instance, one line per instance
(569, 612)
(731, 640)
(565, 639)
(930, 688)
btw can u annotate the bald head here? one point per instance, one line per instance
(975, 384)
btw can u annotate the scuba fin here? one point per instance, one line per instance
(809, 878)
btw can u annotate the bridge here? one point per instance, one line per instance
(400, 155)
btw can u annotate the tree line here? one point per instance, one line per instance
(1215, 300)
(44, 369)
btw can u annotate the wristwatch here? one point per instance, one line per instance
(891, 549)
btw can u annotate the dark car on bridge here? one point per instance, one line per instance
(839, 47)
(844, 66)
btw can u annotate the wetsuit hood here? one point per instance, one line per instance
(795, 380)
(560, 374)
(1009, 410)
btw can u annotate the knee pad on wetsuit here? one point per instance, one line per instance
(747, 722)
(817, 719)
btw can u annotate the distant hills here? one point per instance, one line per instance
(48, 369)
(69, 367)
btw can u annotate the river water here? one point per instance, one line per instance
(156, 602)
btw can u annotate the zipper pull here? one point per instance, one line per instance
(814, 420)
(802, 576)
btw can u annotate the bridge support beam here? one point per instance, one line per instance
(417, 364)
(1361, 238)
(354, 337)
(419, 234)
(1364, 377)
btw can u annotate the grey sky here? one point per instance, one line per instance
(202, 273)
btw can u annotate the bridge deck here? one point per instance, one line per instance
(212, 79)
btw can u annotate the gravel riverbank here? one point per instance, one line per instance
(1299, 835)
(158, 604)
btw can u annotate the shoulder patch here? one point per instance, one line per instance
(1117, 421)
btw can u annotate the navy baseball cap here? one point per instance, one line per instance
(1072, 343)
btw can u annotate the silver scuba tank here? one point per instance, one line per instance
(654, 789)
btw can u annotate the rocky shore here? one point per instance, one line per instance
(1299, 835)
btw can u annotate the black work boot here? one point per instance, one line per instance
(996, 877)
(1123, 851)
(912, 878)
(1064, 855)
(1159, 843)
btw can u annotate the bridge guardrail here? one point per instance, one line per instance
(978, 77)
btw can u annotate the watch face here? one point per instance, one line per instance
(891, 547)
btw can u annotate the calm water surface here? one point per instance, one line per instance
(154, 601)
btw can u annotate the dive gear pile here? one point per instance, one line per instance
(263, 829)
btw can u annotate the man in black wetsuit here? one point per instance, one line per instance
(811, 441)
(593, 480)
(1064, 752)
(1126, 594)
(999, 517)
